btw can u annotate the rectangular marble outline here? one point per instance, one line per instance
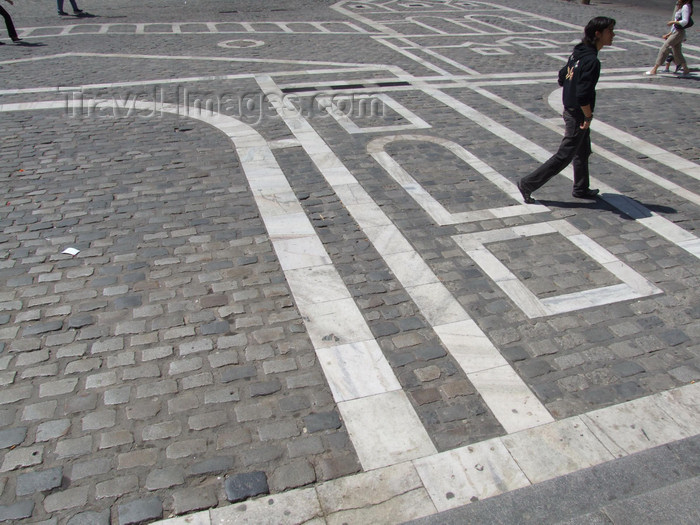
(633, 284)
(414, 121)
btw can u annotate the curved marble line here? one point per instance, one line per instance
(432, 207)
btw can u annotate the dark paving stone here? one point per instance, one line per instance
(243, 486)
(140, 511)
(11, 437)
(40, 481)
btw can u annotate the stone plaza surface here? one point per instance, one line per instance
(266, 262)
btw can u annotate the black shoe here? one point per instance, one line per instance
(526, 195)
(78, 11)
(63, 13)
(16, 39)
(587, 194)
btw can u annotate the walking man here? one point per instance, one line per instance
(578, 78)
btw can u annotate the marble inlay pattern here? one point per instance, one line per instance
(633, 285)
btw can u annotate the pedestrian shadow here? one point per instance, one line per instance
(626, 207)
(30, 44)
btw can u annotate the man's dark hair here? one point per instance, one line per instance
(599, 23)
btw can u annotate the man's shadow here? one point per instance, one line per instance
(626, 207)
(23, 43)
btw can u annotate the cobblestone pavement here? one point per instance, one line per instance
(253, 248)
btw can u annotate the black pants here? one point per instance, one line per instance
(575, 146)
(8, 22)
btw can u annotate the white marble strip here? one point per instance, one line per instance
(385, 429)
(659, 225)
(467, 474)
(510, 399)
(556, 449)
(469, 346)
(561, 304)
(640, 424)
(433, 299)
(340, 363)
(316, 284)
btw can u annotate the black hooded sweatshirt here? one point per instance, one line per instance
(580, 76)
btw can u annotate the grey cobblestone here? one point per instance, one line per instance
(137, 458)
(50, 430)
(140, 511)
(66, 499)
(243, 486)
(190, 500)
(16, 511)
(212, 466)
(39, 481)
(12, 437)
(90, 518)
(164, 478)
(116, 487)
(22, 457)
(187, 448)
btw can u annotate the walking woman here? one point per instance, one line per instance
(674, 39)
(8, 22)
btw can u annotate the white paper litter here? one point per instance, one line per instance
(71, 251)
